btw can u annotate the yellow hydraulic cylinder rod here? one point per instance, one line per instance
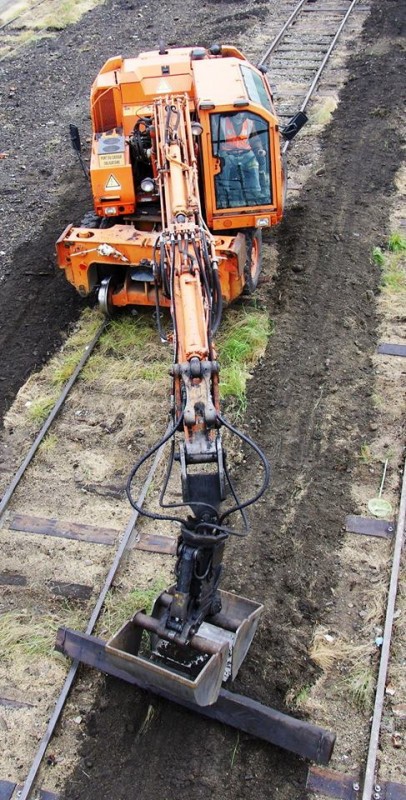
(178, 181)
(191, 317)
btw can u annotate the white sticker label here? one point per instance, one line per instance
(163, 86)
(112, 183)
(112, 160)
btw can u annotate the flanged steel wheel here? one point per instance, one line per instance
(104, 297)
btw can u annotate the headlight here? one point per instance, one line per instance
(147, 185)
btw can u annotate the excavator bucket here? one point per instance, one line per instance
(195, 671)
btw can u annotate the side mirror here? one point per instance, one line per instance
(294, 125)
(75, 138)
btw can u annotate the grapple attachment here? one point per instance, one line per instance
(192, 671)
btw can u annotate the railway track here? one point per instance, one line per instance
(284, 65)
(305, 70)
(301, 51)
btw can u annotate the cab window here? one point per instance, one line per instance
(255, 88)
(240, 142)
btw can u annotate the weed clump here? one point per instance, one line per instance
(392, 262)
(241, 344)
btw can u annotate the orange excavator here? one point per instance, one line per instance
(186, 171)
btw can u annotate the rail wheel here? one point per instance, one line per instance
(104, 297)
(253, 264)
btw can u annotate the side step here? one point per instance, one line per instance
(297, 736)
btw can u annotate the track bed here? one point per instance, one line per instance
(310, 407)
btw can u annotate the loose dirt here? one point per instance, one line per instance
(311, 402)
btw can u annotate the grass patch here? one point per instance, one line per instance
(129, 350)
(392, 261)
(241, 343)
(322, 115)
(66, 13)
(49, 443)
(40, 408)
(361, 686)
(365, 455)
(394, 278)
(23, 634)
(120, 607)
(298, 699)
(327, 650)
(397, 243)
(378, 256)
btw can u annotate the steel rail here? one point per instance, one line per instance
(48, 422)
(282, 32)
(370, 769)
(323, 64)
(70, 678)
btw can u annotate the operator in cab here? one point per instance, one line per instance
(244, 177)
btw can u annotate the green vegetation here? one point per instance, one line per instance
(378, 256)
(118, 607)
(235, 751)
(241, 344)
(23, 634)
(365, 455)
(129, 350)
(40, 408)
(297, 698)
(66, 13)
(302, 697)
(48, 444)
(35, 22)
(361, 686)
(396, 243)
(392, 262)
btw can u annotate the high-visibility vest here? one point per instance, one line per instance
(234, 141)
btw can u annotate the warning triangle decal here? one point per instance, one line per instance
(112, 183)
(163, 86)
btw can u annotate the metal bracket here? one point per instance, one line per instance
(368, 526)
(198, 394)
(349, 787)
(388, 349)
(7, 789)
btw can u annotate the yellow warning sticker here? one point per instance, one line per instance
(112, 183)
(112, 160)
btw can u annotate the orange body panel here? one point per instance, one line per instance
(77, 255)
(130, 99)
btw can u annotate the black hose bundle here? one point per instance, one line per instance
(217, 526)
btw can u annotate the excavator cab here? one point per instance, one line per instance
(240, 142)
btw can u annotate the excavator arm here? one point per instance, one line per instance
(186, 265)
